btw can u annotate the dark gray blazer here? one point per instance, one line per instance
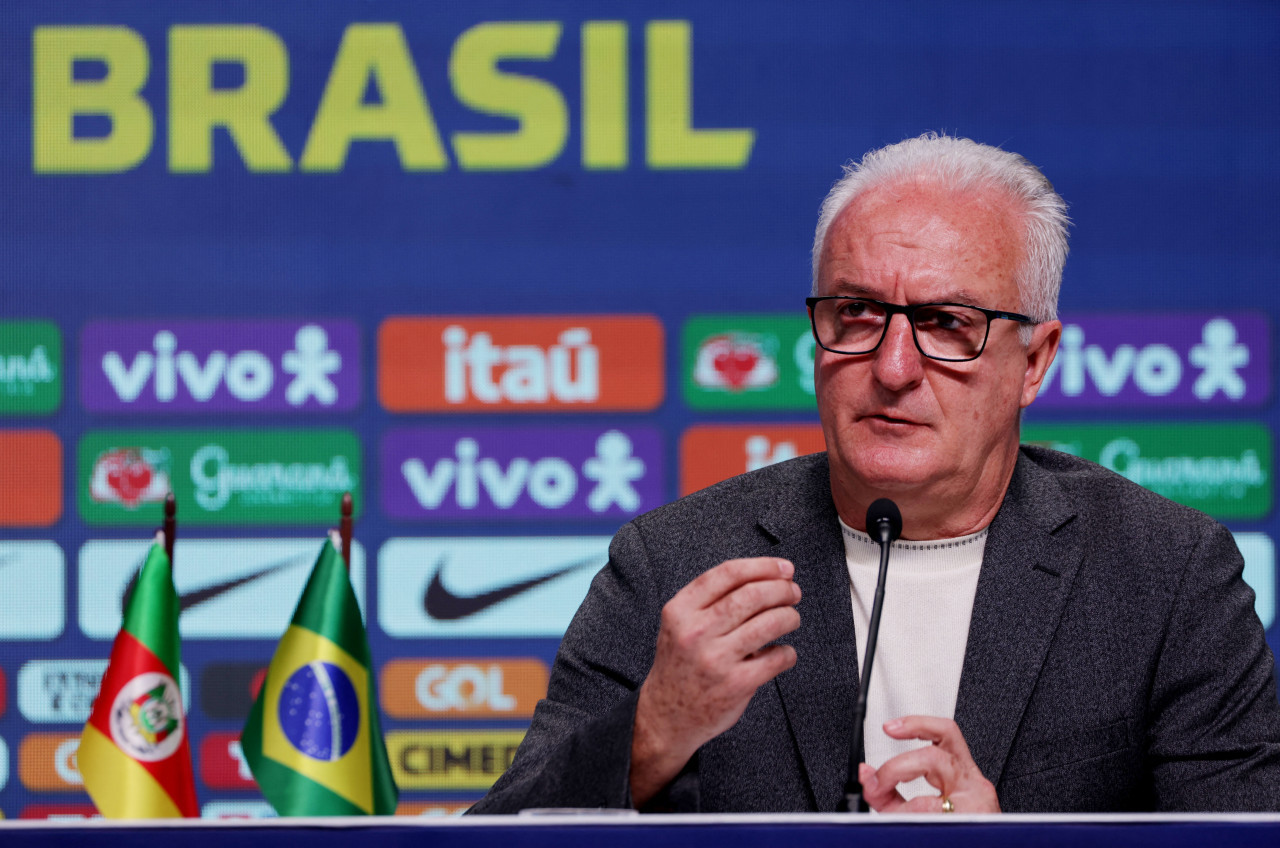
(1114, 659)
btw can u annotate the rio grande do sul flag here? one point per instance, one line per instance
(313, 740)
(134, 753)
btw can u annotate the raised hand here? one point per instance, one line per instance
(713, 653)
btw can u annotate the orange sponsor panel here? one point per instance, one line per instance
(30, 478)
(463, 688)
(710, 453)
(521, 363)
(47, 762)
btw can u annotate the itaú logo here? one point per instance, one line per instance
(587, 363)
(569, 370)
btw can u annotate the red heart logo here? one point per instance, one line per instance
(736, 364)
(139, 477)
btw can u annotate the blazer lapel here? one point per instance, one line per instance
(819, 693)
(1032, 554)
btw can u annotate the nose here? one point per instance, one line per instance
(898, 362)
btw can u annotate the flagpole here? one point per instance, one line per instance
(344, 528)
(170, 524)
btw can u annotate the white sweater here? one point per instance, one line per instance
(924, 626)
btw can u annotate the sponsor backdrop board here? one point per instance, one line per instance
(513, 273)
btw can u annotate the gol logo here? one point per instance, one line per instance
(463, 688)
(709, 454)
(529, 363)
(433, 809)
(31, 485)
(47, 762)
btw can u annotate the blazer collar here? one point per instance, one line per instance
(1033, 552)
(819, 693)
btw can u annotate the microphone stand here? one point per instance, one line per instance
(882, 517)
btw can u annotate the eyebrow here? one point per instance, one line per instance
(964, 297)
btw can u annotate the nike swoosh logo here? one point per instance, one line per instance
(188, 600)
(443, 605)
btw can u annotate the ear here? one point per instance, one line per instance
(1040, 353)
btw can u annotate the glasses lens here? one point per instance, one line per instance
(950, 332)
(848, 325)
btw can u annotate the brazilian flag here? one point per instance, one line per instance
(313, 740)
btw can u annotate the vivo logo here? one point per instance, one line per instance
(199, 365)
(1161, 360)
(579, 472)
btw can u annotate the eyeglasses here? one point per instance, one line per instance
(949, 332)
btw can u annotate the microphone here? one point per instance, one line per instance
(884, 524)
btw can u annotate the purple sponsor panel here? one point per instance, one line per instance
(1161, 360)
(521, 472)
(266, 365)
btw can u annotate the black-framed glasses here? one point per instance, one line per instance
(950, 332)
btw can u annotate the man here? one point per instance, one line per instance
(1054, 638)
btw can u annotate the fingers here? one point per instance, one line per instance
(883, 797)
(762, 629)
(710, 586)
(733, 594)
(932, 763)
(942, 732)
(946, 765)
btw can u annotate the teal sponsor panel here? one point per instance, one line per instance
(227, 588)
(30, 367)
(1259, 554)
(468, 587)
(231, 477)
(62, 691)
(748, 361)
(1221, 469)
(33, 603)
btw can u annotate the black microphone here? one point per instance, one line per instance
(884, 524)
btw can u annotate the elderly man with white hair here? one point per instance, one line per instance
(1054, 638)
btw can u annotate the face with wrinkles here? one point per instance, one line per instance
(940, 438)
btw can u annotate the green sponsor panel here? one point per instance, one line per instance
(748, 362)
(236, 477)
(1222, 469)
(30, 367)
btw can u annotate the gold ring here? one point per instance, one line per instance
(947, 806)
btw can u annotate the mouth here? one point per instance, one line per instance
(884, 419)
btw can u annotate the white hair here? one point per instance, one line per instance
(960, 164)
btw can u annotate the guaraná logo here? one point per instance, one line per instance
(219, 477)
(30, 367)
